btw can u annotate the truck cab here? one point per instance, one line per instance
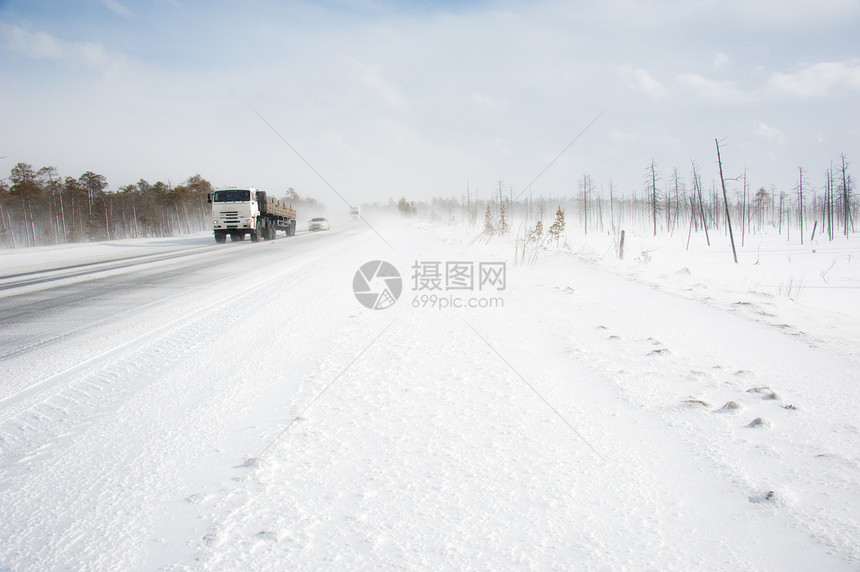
(235, 212)
(248, 211)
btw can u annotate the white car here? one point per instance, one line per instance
(318, 223)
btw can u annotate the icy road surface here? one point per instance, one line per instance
(176, 404)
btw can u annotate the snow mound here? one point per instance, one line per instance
(729, 407)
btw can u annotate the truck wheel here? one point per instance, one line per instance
(292, 228)
(256, 234)
(220, 237)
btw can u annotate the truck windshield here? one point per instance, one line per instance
(232, 196)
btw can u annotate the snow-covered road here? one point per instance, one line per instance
(176, 404)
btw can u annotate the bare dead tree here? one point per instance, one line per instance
(846, 194)
(692, 218)
(698, 189)
(611, 213)
(726, 200)
(654, 195)
(800, 201)
(677, 201)
(831, 201)
(585, 192)
(744, 209)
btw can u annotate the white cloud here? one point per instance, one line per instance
(623, 136)
(768, 132)
(115, 7)
(639, 79)
(372, 77)
(43, 46)
(716, 91)
(819, 79)
(721, 61)
(335, 141)
(34, 45)
(486, 103)
(785, 15)
(381, 84)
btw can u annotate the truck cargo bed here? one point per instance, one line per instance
(277, 208)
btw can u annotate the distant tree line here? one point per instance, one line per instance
(39, 207)
(304, 204)
(670, 204)
(407, 208)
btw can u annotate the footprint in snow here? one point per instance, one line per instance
(269, 535)
(766, 392)
(837, 458)
(766, 496)
(758, 422)
(210, 539)
(663, 352)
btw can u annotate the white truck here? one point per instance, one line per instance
(248, 211)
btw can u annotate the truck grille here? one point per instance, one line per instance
(230, 217)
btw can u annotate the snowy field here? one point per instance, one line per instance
(175, 404)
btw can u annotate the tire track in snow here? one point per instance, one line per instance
(38, 277)
(108, 287)
(111, 500)
(115, 317)
(72, 395)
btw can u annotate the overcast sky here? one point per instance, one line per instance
(389, 98)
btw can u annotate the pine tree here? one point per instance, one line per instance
(489, 228)
(503, 221)
(558, 225)
(537, 233)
